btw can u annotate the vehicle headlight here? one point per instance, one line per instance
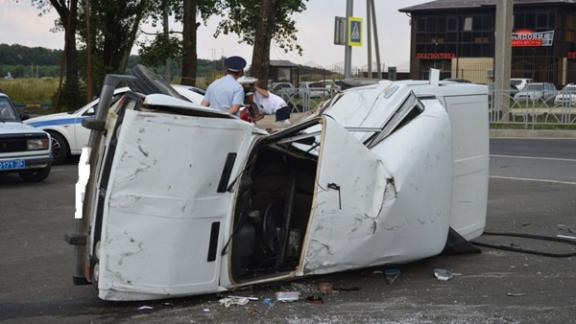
(37, 144)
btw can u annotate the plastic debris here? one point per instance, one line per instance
(314, 299)
(325, 288)
(206, 310)
(515, 294)
(145, 307)
(443, 274)
(288, 296)
(377, 272)
(236, 300)
(267, 301)
(391, 274)
(566, 237)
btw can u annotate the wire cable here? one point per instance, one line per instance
(527, 251)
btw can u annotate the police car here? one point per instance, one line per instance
(23, 149)
(68, 135)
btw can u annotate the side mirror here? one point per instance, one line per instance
(24, 116)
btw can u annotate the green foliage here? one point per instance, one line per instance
(160, 49)
(243, 16)
(23, 55)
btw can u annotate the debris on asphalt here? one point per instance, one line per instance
(267, 301)
(236, 300)
(145, 307)
(377, 272)
(515, 294)
(325, 288)
(288, 296)
(443, 274)
(391, 274)
(566, 237)
(315, 299)
(206, 310)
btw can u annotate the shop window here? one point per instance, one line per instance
(542, 20)
(530, 20)
(431, 24)
(519, 21)
(552, 20)
(441, 24)
(421, 24)
(451, 37)
(452, 24)
(488, 23)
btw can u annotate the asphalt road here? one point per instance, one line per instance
(534, 159)
(492, 287)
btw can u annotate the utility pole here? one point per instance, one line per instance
(348, 48)
(503, 56)
(369, 30)
(376, 43)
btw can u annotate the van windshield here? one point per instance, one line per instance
(7, 111)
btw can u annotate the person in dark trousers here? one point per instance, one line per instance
(226, 94)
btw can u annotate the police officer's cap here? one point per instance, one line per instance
(235, 63)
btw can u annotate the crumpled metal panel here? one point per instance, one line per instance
(395, 199)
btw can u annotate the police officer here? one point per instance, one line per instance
(226, 94)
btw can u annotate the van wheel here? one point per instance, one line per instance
(60, 148)
(35, 175)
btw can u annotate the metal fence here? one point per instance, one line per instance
(532, 109)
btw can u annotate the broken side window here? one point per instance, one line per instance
(408, 111)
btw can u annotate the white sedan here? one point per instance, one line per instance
(566, 96)
(68, 135)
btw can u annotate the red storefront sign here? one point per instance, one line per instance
(530, 38)
(435, 56)
(571, 55)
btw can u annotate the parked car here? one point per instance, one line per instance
(317, 89)
(23, 149)
(283, 88)
(566, 96)
(182, 200)
(519, 83)
(544, 91)
(68, 135)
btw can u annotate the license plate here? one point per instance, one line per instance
(12, 164)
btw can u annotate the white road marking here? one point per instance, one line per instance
(534, 180)
(531, 158)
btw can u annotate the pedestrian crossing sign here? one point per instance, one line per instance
(354, 31)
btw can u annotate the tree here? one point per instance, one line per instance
(69, 94)
(114, 26)
(258, 22)
(191, 8)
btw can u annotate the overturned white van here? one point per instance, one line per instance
(182, 200)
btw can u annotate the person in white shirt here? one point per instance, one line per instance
(269, 103)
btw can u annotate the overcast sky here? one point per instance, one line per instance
(20, 23)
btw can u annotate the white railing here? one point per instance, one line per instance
(532, 109)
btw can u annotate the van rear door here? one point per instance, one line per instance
(167, 206)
